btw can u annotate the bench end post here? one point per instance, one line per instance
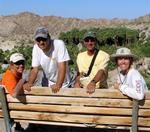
(135, 111)
(5, 110)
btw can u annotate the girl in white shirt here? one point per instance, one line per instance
(129, 81)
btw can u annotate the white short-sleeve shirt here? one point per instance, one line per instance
(49, 61)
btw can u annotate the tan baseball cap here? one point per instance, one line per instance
(16, 57)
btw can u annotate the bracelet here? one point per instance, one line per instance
(93, 81)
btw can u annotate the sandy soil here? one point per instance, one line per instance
(49, 128)
(2, 126)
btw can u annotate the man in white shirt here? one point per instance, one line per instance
(52, 56)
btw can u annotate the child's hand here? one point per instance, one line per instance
(116, 85)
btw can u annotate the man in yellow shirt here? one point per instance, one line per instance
(99, 70)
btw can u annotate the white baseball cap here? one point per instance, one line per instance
(16, 57)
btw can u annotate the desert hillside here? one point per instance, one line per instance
(19, 28)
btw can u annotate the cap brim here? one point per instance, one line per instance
(89, 37)
(114, 56)
(41, 35)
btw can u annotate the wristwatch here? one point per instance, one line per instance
(93, 81)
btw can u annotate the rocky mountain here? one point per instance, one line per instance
(16, 29)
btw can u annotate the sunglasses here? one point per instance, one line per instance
(89, 39)
(21, 62)
(41, 39)
(124, 57)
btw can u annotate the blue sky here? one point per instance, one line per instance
(83, 9)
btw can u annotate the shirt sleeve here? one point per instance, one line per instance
(78, 61)
(137, 90)
(35, 56)
(104, 61)
(62, 52)
(10, 83)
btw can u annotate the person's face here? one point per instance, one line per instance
(90, 43)
(124, 63)
(43, 43)
(18, 66)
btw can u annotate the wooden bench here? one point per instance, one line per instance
(106, 108)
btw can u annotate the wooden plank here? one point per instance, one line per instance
(144, 121)
(72, 101)
(80, 101)
(147, 96)
(145, 104)
(76, 109)
(144, 129)
(1, 113)
(77, 92)
(108, 93)
(75, 124)
(73, 118)
(70, 109)
(80, 92)
(144, 112)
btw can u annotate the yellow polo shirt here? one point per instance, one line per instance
(84, 61)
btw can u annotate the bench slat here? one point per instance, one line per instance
(72, 101)
(144, 112)
(77, 100)
(74, 124)
(73, 118)
(77, 92)
(76, 109)
(144, 121)
(1, 113)
(107, 93)
(70, 109)
(145, 105)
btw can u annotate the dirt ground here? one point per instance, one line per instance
(48, 128)
(2, 126)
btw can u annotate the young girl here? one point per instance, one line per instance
(129, 81)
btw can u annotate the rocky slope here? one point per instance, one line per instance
(17, 28)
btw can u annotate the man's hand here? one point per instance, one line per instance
(91, 88)
(27, 86)
(77, 85)
(55, 88)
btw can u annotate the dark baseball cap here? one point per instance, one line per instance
(41, 32)
(90, 35)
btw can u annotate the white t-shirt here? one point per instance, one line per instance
(49, 61)
(133, 84)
